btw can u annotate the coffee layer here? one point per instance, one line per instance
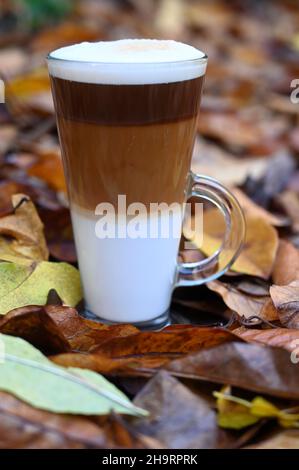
(126, 104)
(135, 140)
(146, 163)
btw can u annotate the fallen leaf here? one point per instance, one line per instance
(62, 35)
(49, 169)
(22, 426)
(252, 209)
(121, 355)
(286, 301)
(238, 413)
(175, 341)
(279, 337)
(237, 130)
(286, 439)
(63, 250)
(286, 266)
(21, 89)
(122, 435)
(212, 160)
(244, 303)
(245, 365)
(30, 376)
(279, 170)
(13, 276)
(57, 328)
(289, 200)
(12, 61)
(179, 418)
(123, 366)
(31, 287)
(258, 253)
(25, 231)
(233, 412)
(8, 134)
(294, 138)
(7, 190)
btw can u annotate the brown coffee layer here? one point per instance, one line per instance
(135, 140)
(126, 104)
(146, 163)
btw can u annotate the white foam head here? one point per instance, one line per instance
(128, 61)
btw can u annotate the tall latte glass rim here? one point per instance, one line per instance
(199, 60)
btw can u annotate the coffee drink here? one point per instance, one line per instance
(127, 115)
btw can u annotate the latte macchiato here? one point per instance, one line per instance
(127, 115)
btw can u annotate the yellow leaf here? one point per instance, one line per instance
(237, 413)
(260, 247)
(263, 408)
(234, 412)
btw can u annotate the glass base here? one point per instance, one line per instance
(154, 324)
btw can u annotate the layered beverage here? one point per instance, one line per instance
(127, 115)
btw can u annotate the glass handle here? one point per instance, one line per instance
(192, 274)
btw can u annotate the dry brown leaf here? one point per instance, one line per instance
(279, 337)
(253, 210)
(286, 439)
(209, 15)
(22, 426)
(62, 35)
(246, 365)
(12, 61)
(124, 366)
(247, 132)
(7, 190)
(180, 418)
(26, 232)
(286, 301)
(260, 247)
(56, 328)
(175, 341)
(212, 160)
(243, 304)
(116, 355)
(294, 138)
(286, 266)
(8, 134)
(289, 200)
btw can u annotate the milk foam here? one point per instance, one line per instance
(128, 61)
(125, 279)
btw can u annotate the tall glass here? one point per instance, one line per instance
(127, 133)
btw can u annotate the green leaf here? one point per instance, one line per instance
(21, 285)
(29, 375)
